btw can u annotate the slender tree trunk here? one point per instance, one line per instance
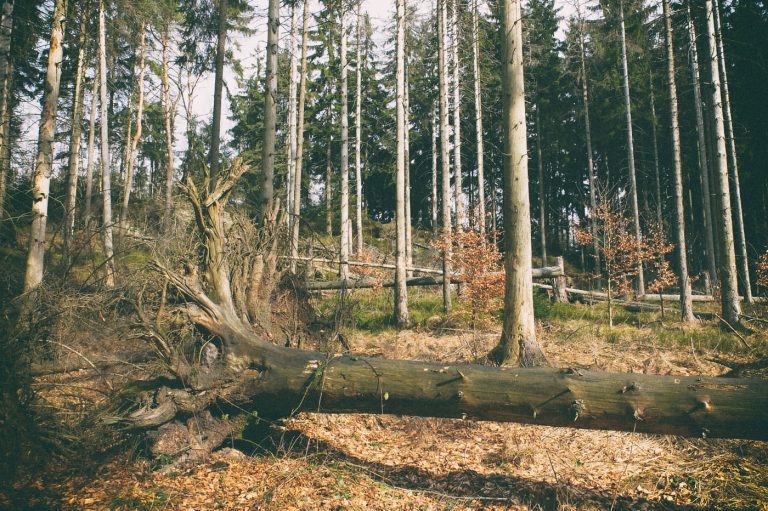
(169, 171)
(106, 187)
(328, 189)
(407, 159)
(292, 114)
(706, 196)
(91, 158)
(402, 318)
(457, 172)
(741, 240)
(588, 135)
(218, 84)
(136, 136)
(659, 200)
(686, 304)
(300, 139)
(446, 240)
(542, 206)
(344, 165)
(728, 279)
(41, 180)
(435, 225)
(74, 144)
(631, 151)
(270, 110)
(128, 131)
(358, 133)
(518, 336)
(5, 131)
(478, 120)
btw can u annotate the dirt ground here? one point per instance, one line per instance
(317, 461)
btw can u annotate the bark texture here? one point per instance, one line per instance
(270, 110)
(106, 167)
(402, 317)
(296, 203)
(445, 233)
(218, 84)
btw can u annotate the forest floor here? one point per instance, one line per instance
(318, 461)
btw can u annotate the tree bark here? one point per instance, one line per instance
(731, 307)
(169, 170)
(434, 204)
(295, 225)
(478, 119)
(91, 153)
(518, 336)
(457, 172)
(656, 167)
(218, 84)
(631, 150)
(686, 305)
(741, 240)
(328, 188)
(106, 167)
(41, 180)
(136, 136)
(6, 74)
(344, 165)
(292, 115)
(407, 155)
(358, 134)
(74, 145)
(706, 195)
(542, 206)
(402, 318)
(270, 110)
(445, 235)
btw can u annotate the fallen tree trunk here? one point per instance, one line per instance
(544, 272)
(367, 283)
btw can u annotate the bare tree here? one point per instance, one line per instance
(167, 114)
(74, 143)
(706, 196)
(134, 149)
(218, 84)
(41, 180)
(631, 148)
(657, 169)
(300, 139)
(542, 203)
(741, 240)
(6, 73)
(445, 235)
(433, 204)
(478, 118)
(106, 187)
(686, 304)
(457, 175)
(88, 199)
(292, 114)
(270, 110)
(407, 155)
(402, 317)
(731, 307)
(344, 165)
(518, 336)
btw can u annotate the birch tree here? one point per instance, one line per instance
(686, 304)
(41, 179)
(518, 336)
(731, 307)
(402, 318)
(106, 187)
(445, 235)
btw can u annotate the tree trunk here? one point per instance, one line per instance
(631, 150)
(295, 225)
(91, 154)
(731, 307)
(407, 158)
(270, 110)
(6, 75)
(169, 171)
(358, 134)
(457, 173)
(741, 240)
(74, 145)
(106, 167)
(445, 235)
(136, 136)
(290, 146)
(657, 169)
(218, 84)
(478, 120)
(328, 189)
(518, 336)
(542, 207)
(41, 180)
(706, 196)
(433, 204)
(344, 165)
(588, 135)
(686, 305)
(401, 292)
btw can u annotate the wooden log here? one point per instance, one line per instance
(367, 283)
